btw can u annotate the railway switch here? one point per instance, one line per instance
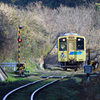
(20, 66)
(88, 69)
(94, 65)
(91, 67)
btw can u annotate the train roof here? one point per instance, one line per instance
(66, 34)
(70, 34)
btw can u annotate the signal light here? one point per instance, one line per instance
(19, 40)
(71, 37)
(20, 27)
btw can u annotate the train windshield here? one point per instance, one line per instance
(63, 44)
(80, 43)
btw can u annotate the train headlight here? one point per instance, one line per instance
(63, 39)
(79, 39)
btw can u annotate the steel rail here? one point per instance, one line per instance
(33, 94)
(23, 86)
(32, 83)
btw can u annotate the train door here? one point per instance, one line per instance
(71, 50)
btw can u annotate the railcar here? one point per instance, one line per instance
(71, 50)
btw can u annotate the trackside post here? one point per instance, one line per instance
(91, 65)
(20, 66)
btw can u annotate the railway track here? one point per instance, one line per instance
(60, 78)
(23, 86)
(35, 82)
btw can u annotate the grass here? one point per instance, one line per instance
(58, 91)
(11, 83)
(10, 79)
(67, 89)
(77, 79)
(54, 92)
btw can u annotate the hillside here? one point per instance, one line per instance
(41, 27)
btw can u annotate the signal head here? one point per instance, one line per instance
(19, 40)
(20, 27)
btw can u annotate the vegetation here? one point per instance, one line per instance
(51, 3)
(65, 89)
(34, 36)
(41, 27)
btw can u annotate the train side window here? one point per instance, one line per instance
(80, 43)
(63, 44)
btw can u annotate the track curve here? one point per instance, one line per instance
(32, 83)
(23, 86)
(62, 77)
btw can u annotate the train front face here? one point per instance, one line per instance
(71, 50)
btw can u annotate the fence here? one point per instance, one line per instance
(12, 65)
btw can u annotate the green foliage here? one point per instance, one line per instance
(30, 66)
(37, 66)
(47, 49)
(97, 6)
(10, 79)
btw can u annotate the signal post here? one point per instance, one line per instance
(19, 40)
(19, 65)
